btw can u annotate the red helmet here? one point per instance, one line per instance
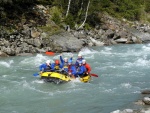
(56, 61)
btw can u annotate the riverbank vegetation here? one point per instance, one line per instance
(76, 13)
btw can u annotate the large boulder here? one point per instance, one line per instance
(2, 54)
(146, 100)
(66, 42)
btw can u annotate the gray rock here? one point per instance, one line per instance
(35, 33)
(121, 40)
(146, 92)
(25, 54)
(113, 42)
(109, 33)
(65, 42)
(2, 54)
(97, 43)
(146, 100)
(34, 41)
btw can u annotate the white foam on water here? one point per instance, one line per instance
(36, 60)
(77, 80)
(142, 62)
(6, 64)
(26, 85)
(109, 91)
(4, 76)
(37, 81)
(146, 48)
(87, 51)
(108, 48)
(126, 85)
(105, 52)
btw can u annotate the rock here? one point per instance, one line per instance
(109, 33)
(113, 42)
(2, 54)
(123, 34)
(35, 33)
(134, 39)
(9, 51)
(139, 102)
(6, 43)
(35, 42)
(128, 111)
(43, 35)
(96, 43)
(117, 111)
(65, 42)
(121, 40)
(25, 54)
(146, 92)
(40, 50)
(146, 100)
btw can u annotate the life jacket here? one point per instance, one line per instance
(81, 68)
(65, 65)
(48, 68)
(88, 68)
(56, 67)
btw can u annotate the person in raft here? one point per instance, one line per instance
(64, 63)
(81, 70)
(87, 66)
(71, 69)
(46, 67)
(56, 66)
(80, 58)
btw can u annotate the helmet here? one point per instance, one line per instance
(56, 61)
(79, 55)
(70, 61)
(83, 61)
(65, 58)
(48, 62)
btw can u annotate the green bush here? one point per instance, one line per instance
(69, 20)
(56, 18)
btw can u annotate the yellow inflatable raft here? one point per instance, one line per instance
(60, 78)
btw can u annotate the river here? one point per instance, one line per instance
(123, 72)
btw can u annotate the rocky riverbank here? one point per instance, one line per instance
(29, 38)
(143, 104)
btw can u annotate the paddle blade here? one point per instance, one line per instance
(35, 74)
(94, 75)
(50, 53)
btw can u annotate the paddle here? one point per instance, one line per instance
(49, 53)
(92, 74)
(35, 74)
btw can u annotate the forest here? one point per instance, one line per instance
(77, 12)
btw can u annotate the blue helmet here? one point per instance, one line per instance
(69, 61)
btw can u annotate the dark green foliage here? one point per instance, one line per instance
(129, 9)
(70, 21)
(56, 18)
(147, 6)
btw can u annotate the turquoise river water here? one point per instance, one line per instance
(123, 73)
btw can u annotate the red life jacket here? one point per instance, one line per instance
(88, 68)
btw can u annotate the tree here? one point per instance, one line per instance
(85, 16)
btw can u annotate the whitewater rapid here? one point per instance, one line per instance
(123, 72)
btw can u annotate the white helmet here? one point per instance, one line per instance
(83, 61)
(48, 62)
(79, 55)
(65, 58)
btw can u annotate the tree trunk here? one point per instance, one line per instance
(85, 16)
(68, 8)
